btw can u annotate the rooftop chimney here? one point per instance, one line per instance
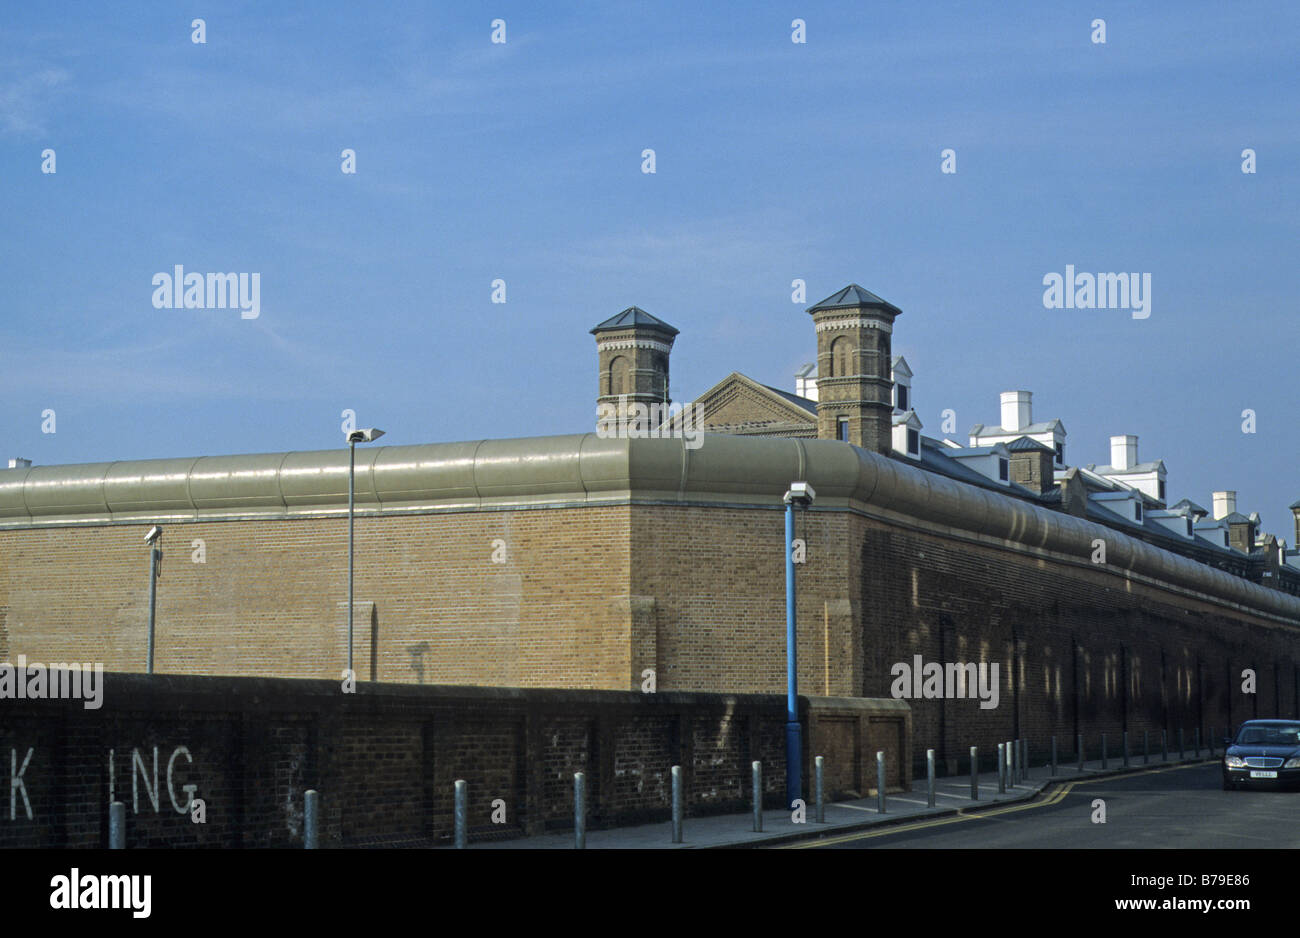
(18, 462)
(1123, 451)
(1225, 503)
(1017, 409)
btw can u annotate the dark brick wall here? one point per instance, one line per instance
(384, 759)
(1076, 654)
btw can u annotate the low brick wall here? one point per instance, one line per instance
(385, 758)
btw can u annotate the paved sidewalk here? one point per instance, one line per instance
(952, 795)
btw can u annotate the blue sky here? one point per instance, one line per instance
(522, 161)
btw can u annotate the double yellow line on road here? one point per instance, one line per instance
(975, 814)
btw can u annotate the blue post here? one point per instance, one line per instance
(793, 732)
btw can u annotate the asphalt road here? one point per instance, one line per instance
(1180, 808)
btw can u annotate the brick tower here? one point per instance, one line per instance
(854, 390)
(633, 349)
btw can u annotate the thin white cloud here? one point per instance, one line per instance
(27, 96)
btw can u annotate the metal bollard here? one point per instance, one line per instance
(821, 791)
(1182, 751)
(462, 814)
(311, 819)
(929, 768)
(974, 773)
(677, 804)
(579, 810)
(1010, 757)
(1164, 745)
(1017, 765)
(1079, 744)
(1103, 750)
(1126, 749)
(117, 825)
(756, 780)
(1146, 747)
(1053, 755)
(880, 781)
(1002, 769)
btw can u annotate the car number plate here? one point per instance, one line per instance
(1263, 775)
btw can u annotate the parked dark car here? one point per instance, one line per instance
(1264, 753)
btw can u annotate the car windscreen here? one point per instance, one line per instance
(1269, 736)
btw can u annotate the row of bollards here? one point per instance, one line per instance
(1012, 769)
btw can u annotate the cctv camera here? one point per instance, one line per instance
(154, 533)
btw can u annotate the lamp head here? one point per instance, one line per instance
(369, 435)
(801, 494)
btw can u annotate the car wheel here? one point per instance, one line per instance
(1227, 785)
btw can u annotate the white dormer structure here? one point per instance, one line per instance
(1147, 477)
(1180, 522)
(1216, 532)
(992, 462)
(1018, 421)
(1126, 504)
(907, 434)
(805, 382)
(901, 375)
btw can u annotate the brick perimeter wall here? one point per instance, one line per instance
(384, 759)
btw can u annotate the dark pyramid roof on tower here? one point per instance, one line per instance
(634, 316)
(854, 297)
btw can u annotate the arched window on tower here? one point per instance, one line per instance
(841, 352)
(618, 376)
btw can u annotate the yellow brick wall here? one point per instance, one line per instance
(271, 598)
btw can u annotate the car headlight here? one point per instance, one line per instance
(1235, 762)
(1292, 763)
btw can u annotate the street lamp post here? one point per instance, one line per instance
(355, 437)
(801, 494)
(155, 556)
